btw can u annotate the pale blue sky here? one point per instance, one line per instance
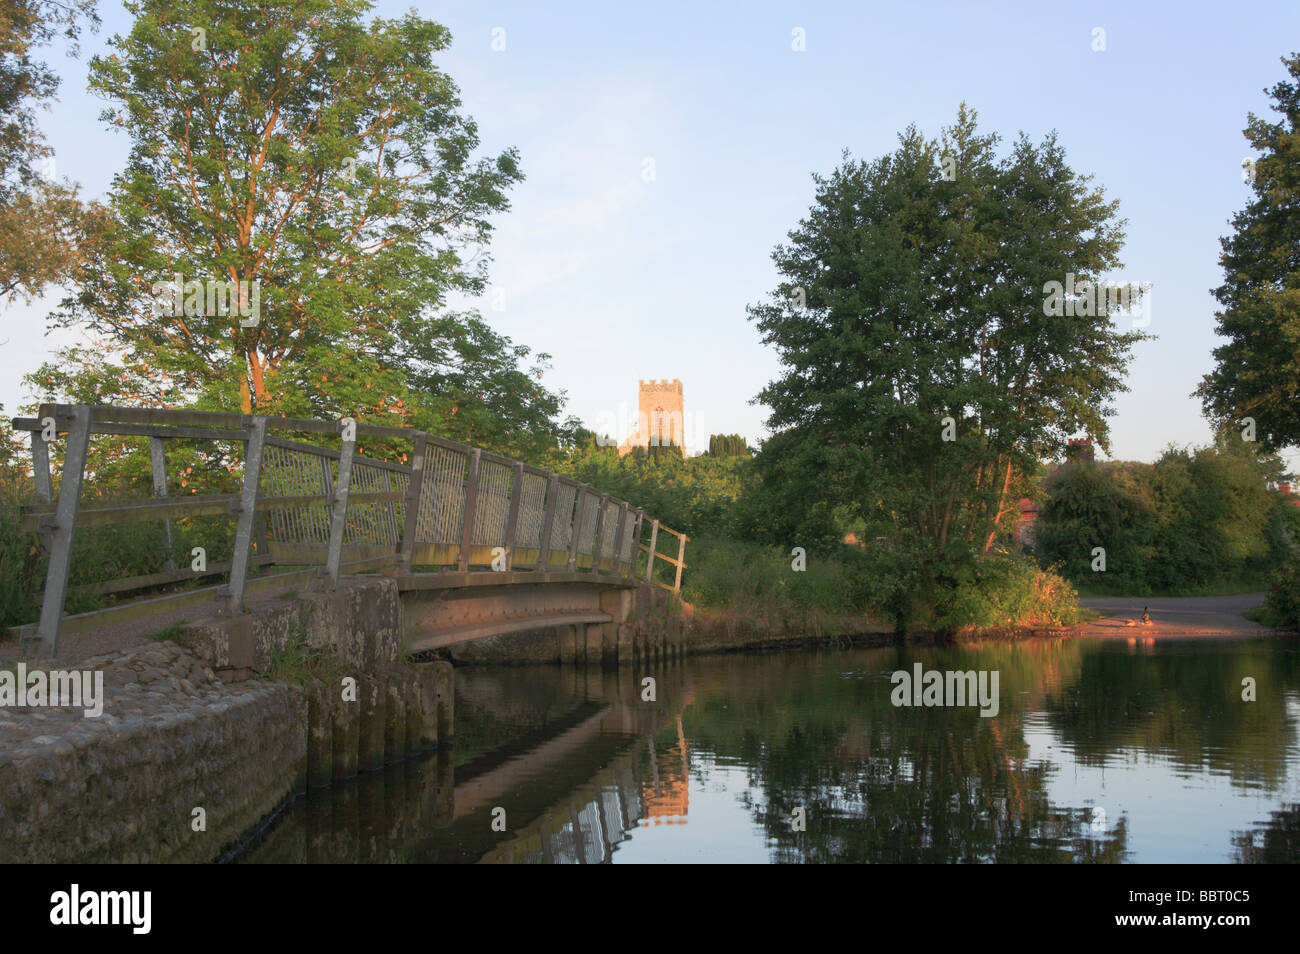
(620, 278)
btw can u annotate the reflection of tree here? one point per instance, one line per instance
(1184, 706)
(886, 784)
(1276, 841)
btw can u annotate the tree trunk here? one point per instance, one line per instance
(997, 513)
(259, 384)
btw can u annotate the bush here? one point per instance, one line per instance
(1282, 607)
(1001, 591)
(1192, 522)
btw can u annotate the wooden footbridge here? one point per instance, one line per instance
(483, 544)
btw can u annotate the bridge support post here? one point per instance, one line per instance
(618, 604)
(626, 643)
(347, 725)
(339, 511)
(41, 468)
(595, 640)
(428, 677)
(158, 471)
(414, 494)
(617, 560)
(635, 550)
(414, 723)
(681, 562)
(548, 521)
(394, 719)
(65, 527)
(650, 556)
(320, 734)
(253, 449)
(445, 679)
(598, 538)
(568, 636)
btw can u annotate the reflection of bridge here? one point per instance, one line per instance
(586, 826)
(432, 513)
(557, 810)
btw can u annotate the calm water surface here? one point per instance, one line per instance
(1100, 751)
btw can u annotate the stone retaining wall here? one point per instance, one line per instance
(198, 726)
(124, 786)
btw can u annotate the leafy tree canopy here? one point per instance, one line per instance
(300, 200)
(43, 225)
(1257, 373)
(912, 309)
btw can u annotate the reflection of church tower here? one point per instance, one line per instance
(660, 416)
(666, 794)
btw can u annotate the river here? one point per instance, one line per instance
(1101, 750)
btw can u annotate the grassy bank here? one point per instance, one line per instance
(1001, 593)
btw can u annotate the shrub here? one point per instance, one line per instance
(1003, 591)
(1282, 607)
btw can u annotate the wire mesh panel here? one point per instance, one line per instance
(590, 505)
(373, 523)
(608, 529)
(532, 508)
(442, 502)
(629, 528)
(288, 473)
(492, 504)
(562, 528)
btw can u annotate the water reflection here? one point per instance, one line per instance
(1099, 752)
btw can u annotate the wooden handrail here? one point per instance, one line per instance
(458, 470)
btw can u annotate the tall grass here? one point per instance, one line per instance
(22, 569)
(99, 554)
(727, 574)
(1000, 591)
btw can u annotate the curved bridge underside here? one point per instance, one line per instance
(442, 609)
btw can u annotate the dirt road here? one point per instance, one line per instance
(1174, 616)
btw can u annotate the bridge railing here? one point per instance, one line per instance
(302, 508)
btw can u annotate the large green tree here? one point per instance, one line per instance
(912, 310)
(43, 225)
(321, 164)
(1257, 373)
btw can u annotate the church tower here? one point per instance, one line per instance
(660, 417)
